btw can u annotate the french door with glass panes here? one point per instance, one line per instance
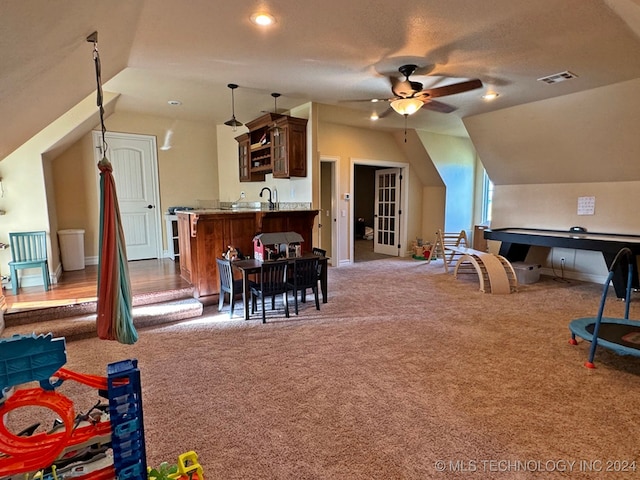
(386, 229)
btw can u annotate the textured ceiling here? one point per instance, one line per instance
(158, 50)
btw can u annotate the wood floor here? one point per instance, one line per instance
(363, 251)
(80, 286)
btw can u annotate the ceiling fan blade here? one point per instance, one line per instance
(370, 100)
(460, 87)
(386, 113)
(440, 107)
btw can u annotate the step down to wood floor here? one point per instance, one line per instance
(84, 326)
(79, 320)
(77, 309)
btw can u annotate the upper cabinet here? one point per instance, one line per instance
(274, 144)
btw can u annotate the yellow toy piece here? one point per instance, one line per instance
(188, 468)
(188, 463)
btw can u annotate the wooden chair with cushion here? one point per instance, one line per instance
(272, 282)
(28, 250)
(227, 284)
(305, 276)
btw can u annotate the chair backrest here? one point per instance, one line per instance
(28, 246)
(273, 277)
(305, 272)
(225, 273)
(319, 251)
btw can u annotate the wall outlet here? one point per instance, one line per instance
(562, 261)
(242, 195)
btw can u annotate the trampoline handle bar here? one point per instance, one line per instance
(625, 251)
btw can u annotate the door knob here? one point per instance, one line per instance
(149, 207)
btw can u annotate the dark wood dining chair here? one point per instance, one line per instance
(272, 282)
(305, 276)
(321, 266)
(227, 284)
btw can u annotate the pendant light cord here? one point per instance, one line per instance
(405, 127)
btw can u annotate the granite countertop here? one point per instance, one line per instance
(224, 208)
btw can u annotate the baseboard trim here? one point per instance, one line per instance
(569, 275)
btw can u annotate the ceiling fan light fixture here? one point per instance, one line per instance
(407, 106)
(233, 123)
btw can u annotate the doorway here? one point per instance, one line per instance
(379, 229)
(328, 221)
(135, 170)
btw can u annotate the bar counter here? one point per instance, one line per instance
(204, 234)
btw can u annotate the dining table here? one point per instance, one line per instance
(251, 266)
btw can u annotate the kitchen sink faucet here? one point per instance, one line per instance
(272, 205)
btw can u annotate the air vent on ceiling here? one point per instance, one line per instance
(558, 77)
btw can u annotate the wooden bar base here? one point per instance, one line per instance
(205, 234)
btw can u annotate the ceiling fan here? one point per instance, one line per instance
(409, 95)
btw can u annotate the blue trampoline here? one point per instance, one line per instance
(618, 334)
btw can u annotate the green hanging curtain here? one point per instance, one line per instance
(114, 312)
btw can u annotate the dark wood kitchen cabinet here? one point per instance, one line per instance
(289, 153)
(274, 144)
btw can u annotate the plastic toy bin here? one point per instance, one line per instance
(526, 272)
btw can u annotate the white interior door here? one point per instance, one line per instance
(386, 225)
(135, 171)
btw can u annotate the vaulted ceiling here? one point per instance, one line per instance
(331, 52)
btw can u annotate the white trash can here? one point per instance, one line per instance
(71, 249)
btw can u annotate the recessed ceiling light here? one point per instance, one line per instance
(263, 19)
(174, 103)
(490, 96)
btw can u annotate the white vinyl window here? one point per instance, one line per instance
(487, 198)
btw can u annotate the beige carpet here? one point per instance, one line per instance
(403, 368)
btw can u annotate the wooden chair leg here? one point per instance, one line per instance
(286, 304)
(220, 301)
(14, 280)
(315, 292)
(295, 300)
(264, 318)
(45, 277)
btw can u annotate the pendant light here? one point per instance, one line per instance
(233, 123)
(276, 130)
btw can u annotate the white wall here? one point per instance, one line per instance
(455, 160)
